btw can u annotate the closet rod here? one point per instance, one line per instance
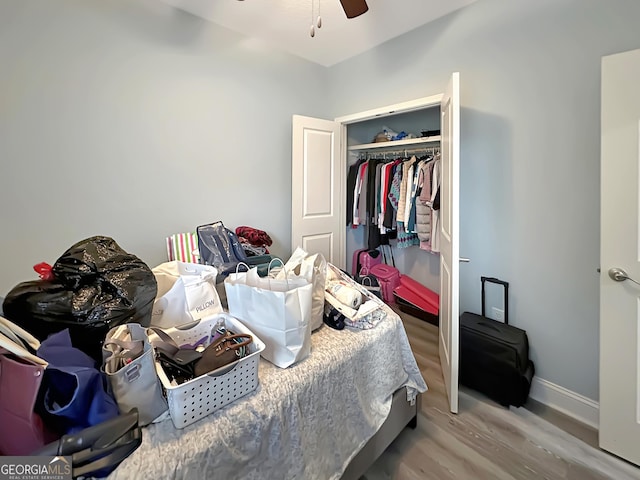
(404, 152)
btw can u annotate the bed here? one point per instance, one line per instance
(327, 417)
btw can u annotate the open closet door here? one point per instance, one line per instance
(619, 428)
(449, 239)
(317, 183)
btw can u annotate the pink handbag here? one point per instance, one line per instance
(369, 259)
(389, 279)
(20, 377)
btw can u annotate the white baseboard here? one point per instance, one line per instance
(565, 401)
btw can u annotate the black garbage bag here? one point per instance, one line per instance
(96, 285)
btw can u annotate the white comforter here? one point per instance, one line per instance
(304, 422)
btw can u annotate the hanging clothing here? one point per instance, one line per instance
(411, 223)
(351, 187)
(359, 204)
(406, 239)
(402, 201)
(435, 214)
(381, 197)
(394, 199)
(411, 199)
(376, 204)
(389, 211)
(423, 209)
(394, 191)
(374, 238)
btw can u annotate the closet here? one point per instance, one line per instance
(410, 257)
(322, 152)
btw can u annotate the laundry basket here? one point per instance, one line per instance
(207, 393)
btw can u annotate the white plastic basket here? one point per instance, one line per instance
(207, 393)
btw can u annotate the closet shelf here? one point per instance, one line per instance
(395, 143)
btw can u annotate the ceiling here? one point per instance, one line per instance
(286, 23)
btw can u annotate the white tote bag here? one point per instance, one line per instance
(186, 292)
(277, 311)
(313, 268)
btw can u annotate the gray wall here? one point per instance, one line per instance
(530, 154)
(130, 119)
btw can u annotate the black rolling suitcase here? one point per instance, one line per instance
(494, 356)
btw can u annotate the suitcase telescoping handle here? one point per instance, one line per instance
(506, 295)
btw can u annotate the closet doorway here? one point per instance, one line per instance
(319, 168)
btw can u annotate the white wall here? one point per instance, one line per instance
(130, 119)
(530, 86)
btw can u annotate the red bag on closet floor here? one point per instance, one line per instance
(417, 294)
(389, 279)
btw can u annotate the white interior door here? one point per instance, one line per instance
(620, 248)
(317, 186)
(449, 239)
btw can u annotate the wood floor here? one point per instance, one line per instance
(485, 440)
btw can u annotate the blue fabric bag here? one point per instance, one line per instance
(74, 394)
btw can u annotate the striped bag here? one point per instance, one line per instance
(183, 247)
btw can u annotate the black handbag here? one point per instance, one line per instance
(97, 451)
(371, 283)
(183, 364)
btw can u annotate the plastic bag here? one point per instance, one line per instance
(368, 314)
(97, 286)
(44, 271)
(313, 268)
(218, 248)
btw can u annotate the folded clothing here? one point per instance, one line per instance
(254, 236)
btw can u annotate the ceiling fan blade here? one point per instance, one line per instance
(354, 8)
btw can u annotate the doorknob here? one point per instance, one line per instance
(619, 275)
(464, 260)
